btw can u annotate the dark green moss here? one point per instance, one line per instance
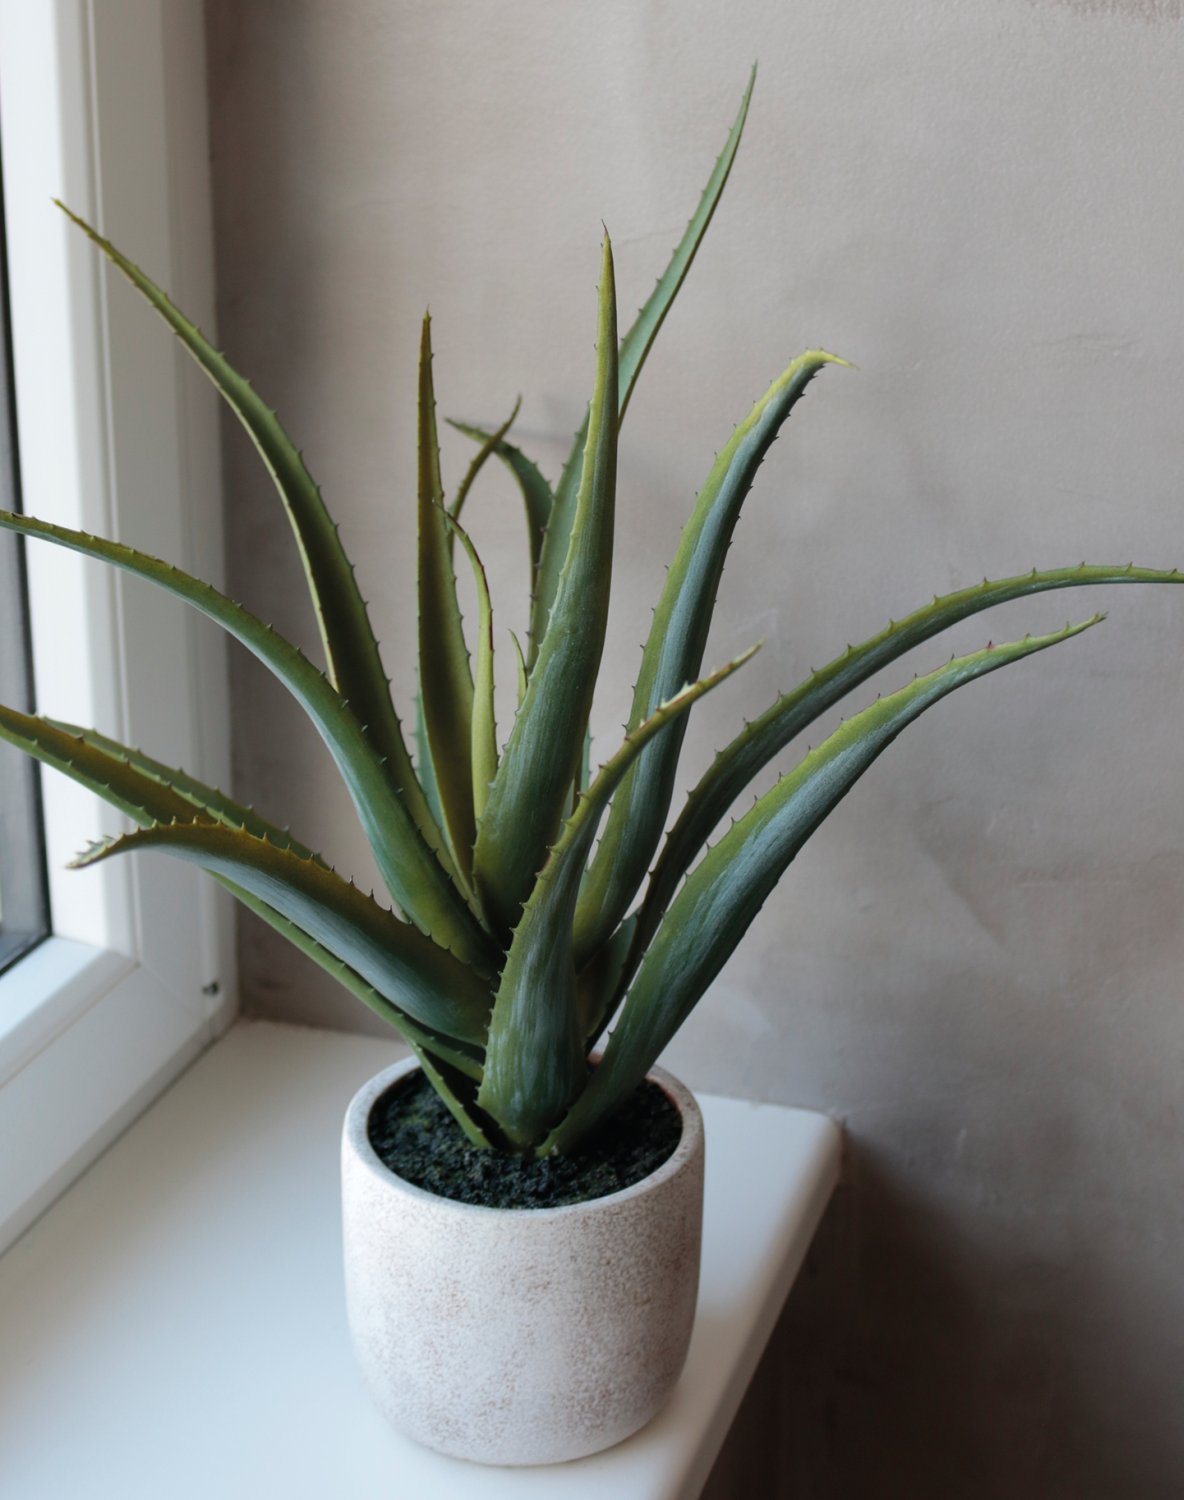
(415, 1136)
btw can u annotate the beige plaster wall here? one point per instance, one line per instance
(977, 963)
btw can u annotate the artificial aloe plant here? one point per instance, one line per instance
(518, 941)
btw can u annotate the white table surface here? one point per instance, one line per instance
(174, 1328)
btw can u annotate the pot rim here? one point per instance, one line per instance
(356, 1139)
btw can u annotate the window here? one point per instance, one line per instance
(102, 105)
(24, 895)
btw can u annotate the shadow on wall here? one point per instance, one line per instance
(912, 1363)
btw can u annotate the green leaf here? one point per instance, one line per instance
(539, 762)
(406, 967)
(108, 772)
(355, 667)
(635, 346)
(724, 892)
(465, 1058)
(536, 492)
(455, 1099)
(150, 792)
(491, 443)
(204, 800)
(674, 653)
(554, 546)
(445, 679)
(638, 342)
(435, 1053)
(520, 663)
(599, 983)
(534, 1059)
(423, 762)
(484, 741)
(410, 868)
(747, 755)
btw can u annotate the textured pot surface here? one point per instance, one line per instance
(520, 1336)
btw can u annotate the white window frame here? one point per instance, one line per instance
(102, 104)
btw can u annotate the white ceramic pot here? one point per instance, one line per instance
(520, 1336)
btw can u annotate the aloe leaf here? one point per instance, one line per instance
(203, 800)
(404, 965)
(537, 497)
(724, 892)
(455, 1099)
(584, 775)
(736, 765)
(484, 741)
(638, 342)
(149, 792)
(351, 651)
(464, 1057)
(586, 761)
(445, 678)
(635, 346)
(599, 983)
(520, 664)
(553, 545)
(432, 1050)
(534, 1059)
(673, 654)
(539, 762)
(491, 443)
(411, 870)
(423, 764)
(141, 796)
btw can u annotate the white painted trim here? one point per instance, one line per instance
(102, 104)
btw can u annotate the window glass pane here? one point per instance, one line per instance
(24, 907)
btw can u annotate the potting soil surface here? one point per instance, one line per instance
(413, 1133)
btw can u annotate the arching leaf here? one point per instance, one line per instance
(411, 870)
(351, 651)
(416, 975)
(673, 655)
(635, 347)
(724, 892)
(537, 497)
(483, 750)
(491, 443)
(736, 765)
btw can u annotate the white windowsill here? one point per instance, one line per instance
(175, 1324)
